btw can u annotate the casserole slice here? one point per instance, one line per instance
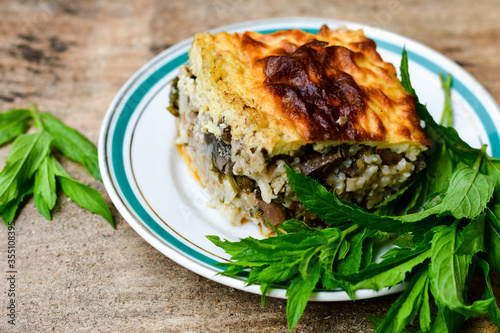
(325, 104)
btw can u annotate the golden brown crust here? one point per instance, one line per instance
(314, 92)
(302, 88)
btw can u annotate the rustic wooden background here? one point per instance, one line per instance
(77, 274)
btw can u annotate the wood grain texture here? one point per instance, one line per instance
(76, 274)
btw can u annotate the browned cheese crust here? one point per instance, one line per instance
(331, 87)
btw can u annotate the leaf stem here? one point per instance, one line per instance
(350, 229)
(447, 109)
(479, 159)
(36, 117)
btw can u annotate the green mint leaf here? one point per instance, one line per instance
(408, 240)
(309, 258)
(294, 226)
(425, 308)
(367, 253)
(14, 115)
(392, 276)
(400, 260)
(492, 237)
(273, 273)
(452, 319)
(329, 252)
(254, 275)
(253, 251)
(405, 74)
(231, 248)
(45, 195)
(437, 134)
(334, 250)
(336, 212)
(491, 167)
(26, 154)
(86, 197)
(460, 150)
(439, 324)
(83, 195)
(73, 144)
(231, 269)
(438, 170)
(12, 124)
(406, 306)
(493, 310)
(447, 320)
(416, 194)
(329, 281)
(344, 249)
(9, 211)
(468, 194)
(298, 294)
(264, 287)
(471, 238)
(448, 272)
(289, 246)
(352, 262)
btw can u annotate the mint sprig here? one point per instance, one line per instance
(299, 257)
(437, 250)
(32, 168)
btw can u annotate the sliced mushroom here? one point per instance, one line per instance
(274, 212)
(317, 161)
(221, 153)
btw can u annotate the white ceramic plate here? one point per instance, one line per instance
(152, 188)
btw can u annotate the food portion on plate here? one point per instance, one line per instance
(325, 104)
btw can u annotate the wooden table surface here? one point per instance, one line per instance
(77, 274)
